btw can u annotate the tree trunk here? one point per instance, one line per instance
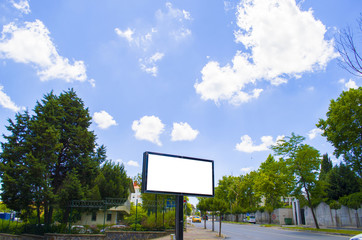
(269, 217)
(204, 221)
(357, 218)
(38, 213)
(337, 220)
(220, 225)
(213, 216)
(311, 207)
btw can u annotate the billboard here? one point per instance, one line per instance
(177, 175)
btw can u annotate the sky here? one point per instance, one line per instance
(217, 80)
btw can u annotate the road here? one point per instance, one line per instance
(255, 232)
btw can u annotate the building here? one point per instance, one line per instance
(136, 197)
(110, 216)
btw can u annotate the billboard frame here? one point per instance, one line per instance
(145, 175)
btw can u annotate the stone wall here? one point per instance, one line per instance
(111, 235)
(343, 217)
(134, 235)
(277, 216)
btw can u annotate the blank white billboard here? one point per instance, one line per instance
(164, 173)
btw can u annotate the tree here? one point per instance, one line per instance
(326, 166)
(220, 206)
(341, 181)
(43, 149)
(273, 183)
(244, 192)
(348, 50)
(303, 160)
(203, 208)
(112, 181)
(343, 127)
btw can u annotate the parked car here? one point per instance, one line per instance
(80, 229)
(196, 219)
(357, 237)
(114, 228)
(249, 219)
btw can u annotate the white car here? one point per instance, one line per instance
(252, 220)
(357, 237)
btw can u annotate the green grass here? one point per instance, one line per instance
(347, 232)
(270, 225)
(235, 222)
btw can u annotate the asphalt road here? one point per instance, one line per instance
(255, 232)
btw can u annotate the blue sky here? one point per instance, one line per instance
(220, 80)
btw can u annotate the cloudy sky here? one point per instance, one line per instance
(220, 80)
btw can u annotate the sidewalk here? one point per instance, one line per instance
(195, 233)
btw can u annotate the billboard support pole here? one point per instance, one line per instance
(179, 217)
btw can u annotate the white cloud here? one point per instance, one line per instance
(170, 29)
(183, 132)
(148, 128)
(314, 132)
(148, 65)
(92, 82)
(103, 119)
(22, 6)
(247, 145)
(6, 102)
(133, 163)
(348, 85)
(127, 34)
(246, 170)
(284, 42)
(31, 44)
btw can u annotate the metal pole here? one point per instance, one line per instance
(135, 224)
(163, 214)
(185, 213)
(70, 218)
(179, 218)
(156, 210)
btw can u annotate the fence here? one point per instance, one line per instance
(150, 215)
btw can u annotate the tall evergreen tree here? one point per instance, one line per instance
(326, 166)
(43, 149)
(341, 181)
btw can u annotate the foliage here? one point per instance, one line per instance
(326, 166)
(335, 205)
(303, 161)
(343, 127)
(273, 183)
(341, 181)
(112, 181)
(353, 200)
(41, 152)
(141, 215)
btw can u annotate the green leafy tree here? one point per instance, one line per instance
(71, 190)
(203, 208)
(42, 150)
(303, 160)
(343, 127)
(17, 192)
(220, 206)
(341, 181)
(273, 183)
(112, 181)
